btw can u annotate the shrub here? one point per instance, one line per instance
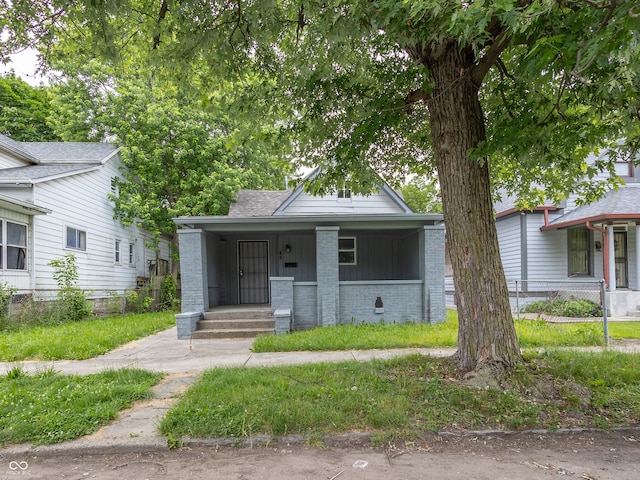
(138, 301)
(168, 291)
(565, 308)
(6, 294)
(74, 303)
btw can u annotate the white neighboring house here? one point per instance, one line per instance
(54, 201)
(568, 242)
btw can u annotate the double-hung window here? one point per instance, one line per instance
(347, 251)
(76, 239)
(131, 254)
(13, 243)
(116, 253)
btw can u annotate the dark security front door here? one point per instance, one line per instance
(253, 274)
(620, 248)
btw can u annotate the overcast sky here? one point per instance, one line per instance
(24, 64)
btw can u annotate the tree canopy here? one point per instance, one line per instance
(24, 111)
(497, 93)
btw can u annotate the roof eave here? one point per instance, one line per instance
(603, 218)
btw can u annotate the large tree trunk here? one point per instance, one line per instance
(486, 334)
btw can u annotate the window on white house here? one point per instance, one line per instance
(579, 251)
(344, 193)
(347, 251)
(76, 239)
(13, 242)
(117, 251)
(131, 254)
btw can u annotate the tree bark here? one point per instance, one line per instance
(486, 334)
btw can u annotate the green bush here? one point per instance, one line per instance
(565, 308)
(168, 292)
(138, 301)
(74, 303)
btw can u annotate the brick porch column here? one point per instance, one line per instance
(193, 270)
(328, 275)
(432, 259)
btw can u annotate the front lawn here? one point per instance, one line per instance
(531, 333)
(82, 339)
(49, 407)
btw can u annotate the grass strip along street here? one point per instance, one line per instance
(405, 397)
(48, 407)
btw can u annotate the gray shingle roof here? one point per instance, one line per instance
(15, 147)
(37, 172)
(70, 152)
(59, 152)
(258, 203)
(621, 203)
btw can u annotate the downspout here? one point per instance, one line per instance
(605, 241)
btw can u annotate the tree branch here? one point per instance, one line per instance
(500, 43)
(418, 95)
(161, 16)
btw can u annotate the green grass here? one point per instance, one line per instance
(531, 333)
(80, 340)
(621, 330)
(49, 407)
(402, 398)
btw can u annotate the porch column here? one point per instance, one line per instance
(637, 257)
(327, 275)
(612, 259)
(432, 260)
(193, 270)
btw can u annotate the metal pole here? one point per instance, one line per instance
(517, 302)
(605, 319)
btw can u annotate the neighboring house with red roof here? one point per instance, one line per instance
(314, 260)
(566, 242)
(54, 201)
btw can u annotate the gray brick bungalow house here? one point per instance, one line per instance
(315, 260)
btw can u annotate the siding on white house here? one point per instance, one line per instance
(376, 203)
(7, 161)
(80, 201)
(510, 246)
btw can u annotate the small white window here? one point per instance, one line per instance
(76, 239)
(344, 193)
(117, 251)
(347, 250)
(131, 254)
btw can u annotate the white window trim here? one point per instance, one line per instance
(131, 254)
(354, 250)
(4, 245)
(66, 238)
(117, 251)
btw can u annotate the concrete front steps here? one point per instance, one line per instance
(235, 322)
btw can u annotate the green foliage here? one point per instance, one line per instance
(24, 111)
(565, 308)
(80, 340)
(49, 408)
(168, 292)
(72, 298)
(422, 195)
(6, 295)
(138, 301)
